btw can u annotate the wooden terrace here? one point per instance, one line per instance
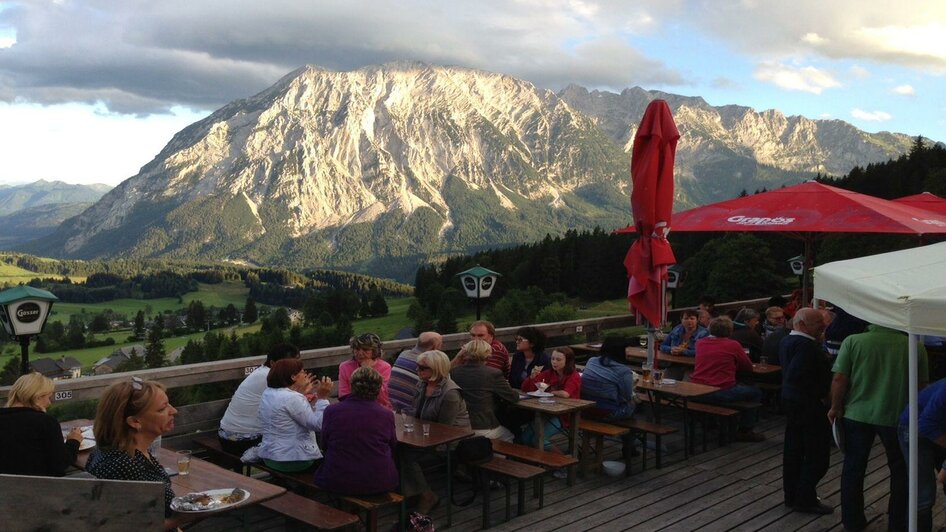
(730, 487)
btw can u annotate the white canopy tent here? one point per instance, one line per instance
(903, 290)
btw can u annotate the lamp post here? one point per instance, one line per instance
(23, 311)
(478, 282)
(798, 268)
(674, 281)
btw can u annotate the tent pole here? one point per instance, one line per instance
(912, 471)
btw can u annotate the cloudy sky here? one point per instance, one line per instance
(91, 90)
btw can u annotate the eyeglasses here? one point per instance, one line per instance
(137, 384)
(521, 339)
(421, 367)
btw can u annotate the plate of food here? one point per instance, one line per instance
(537, 393)
(86, 444)
(210, 500)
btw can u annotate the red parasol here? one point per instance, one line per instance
(655, 145)
(926, 201)
(809, 209)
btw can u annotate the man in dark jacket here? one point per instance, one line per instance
(806, 381)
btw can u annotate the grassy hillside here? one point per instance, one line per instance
(212, 295)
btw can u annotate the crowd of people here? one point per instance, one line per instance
(853, 377)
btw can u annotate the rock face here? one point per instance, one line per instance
(379, 168)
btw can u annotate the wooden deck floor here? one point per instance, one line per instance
(735, 487)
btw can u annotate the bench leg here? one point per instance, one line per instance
(484, 478)
(508, 499)
(586, 459)
(372, 520)
(541, 492)
(659, 451)
(599, 452)
(520, 499)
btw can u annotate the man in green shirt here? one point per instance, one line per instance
(869, 390)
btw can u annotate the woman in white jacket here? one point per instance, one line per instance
(288, 419)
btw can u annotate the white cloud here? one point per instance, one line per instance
(813, 38)
(904, 90)
(870, 116)
(859, 72)
(806, 79)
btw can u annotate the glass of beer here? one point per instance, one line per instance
(658, 377)
(645, 372)
(184, 463)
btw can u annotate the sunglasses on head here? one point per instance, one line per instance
(137, 384)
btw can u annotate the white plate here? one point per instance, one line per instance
(540, 394)
(668, 381)
(192, 503)
(86, 444)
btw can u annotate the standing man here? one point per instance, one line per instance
(806, 379)
(869, 390)
(499, 358)
(931, 417)
(403, 383)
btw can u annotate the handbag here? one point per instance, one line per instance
(474, 451)
(471, 452)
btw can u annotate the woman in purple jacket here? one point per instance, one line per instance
(358, 441)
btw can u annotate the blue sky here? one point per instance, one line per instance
(91, 90)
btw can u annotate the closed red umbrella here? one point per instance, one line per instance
(807, 210)
(655, 145)
(926, 201)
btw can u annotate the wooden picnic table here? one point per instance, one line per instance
(638, 354)
(559, 407)
(203, 476)
(440, 434)
(676, 394)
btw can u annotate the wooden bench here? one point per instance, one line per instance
(701, 413)
(370, 505)
(599, 430)
(536, 457)
(640, 429)
(510, 469)
(309, 512)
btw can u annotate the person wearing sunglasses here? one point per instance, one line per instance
(131, 414)
(30, 439)
(366, 353)
(437, 399)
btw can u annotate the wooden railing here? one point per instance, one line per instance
(235, 369)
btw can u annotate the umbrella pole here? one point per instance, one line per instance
(805, 301)
(912, 471)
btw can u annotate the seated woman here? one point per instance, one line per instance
(240, 427)
(30, 439)
(718, 358)
(287, 419)
(481, 386)
(437, 399)
(746, 332)
(360, 441)
(366, 353)
(563, 381)
(131, 414)
(530, 353)
(610, 384)
(682, 338)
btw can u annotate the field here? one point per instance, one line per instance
(212, 295)
(220, 295)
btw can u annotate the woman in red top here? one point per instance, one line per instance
(563, 381)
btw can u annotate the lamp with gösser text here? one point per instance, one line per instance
(23, 311)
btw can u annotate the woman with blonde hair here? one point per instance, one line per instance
(131, 414)
(481, 386)
(30, 439)
(437, 399)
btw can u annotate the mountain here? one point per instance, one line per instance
(34, 210)
(35, 222)
(380, 168)
(723, 150)
(18, 197)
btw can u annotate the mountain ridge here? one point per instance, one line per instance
(394, 164)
